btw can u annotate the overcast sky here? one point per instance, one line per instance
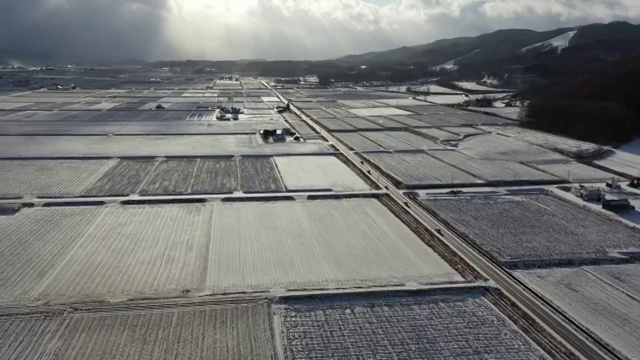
(74, 30)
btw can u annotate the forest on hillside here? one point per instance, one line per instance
(598, 103)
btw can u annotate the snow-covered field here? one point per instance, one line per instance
(576, 172)
(380, 111)
(436, 89)
(622, 162)
(420, 170)
(512, 113)
(237, 331)
(443, 99)
(49, 177)
(115, 252)
(496, 147)
(493, 170)
(549, 141)
(533, 227)
(603, 298)
(559, 43)
(358, 142)
(317, 173)
(471, 86)
(460, 325)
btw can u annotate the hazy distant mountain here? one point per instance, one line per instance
(504, 46)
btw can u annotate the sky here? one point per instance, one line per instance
(80, 30)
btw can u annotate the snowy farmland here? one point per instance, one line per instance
(533, 227)
(52, 178)
(495, 147)
(237, 331)
(456, 325)
(149, 145)
(259, 175)
(603, 298)
(564, 145)
(494, 170)
(318, 173)
(471, 86)
(115, 252)
(576, 172)
(378, 111)
(622, 162)
(358, 142)
(419, 170)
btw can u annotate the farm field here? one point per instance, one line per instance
(439, 134)
(436, 89)
(512, 113)
(361, 123)
(170, 177)
(318, 173)
(414, 170)
(387, 141)
(149, 145)
(603, 298)
(460, 325)
(124, 178)
(316, 244)
(576, 172)
(378, 111)
(495, 147)
(236, 331)
(49, 178)
(493, 170)
(464, 130)
(215, 176)
(130, 251)
(533, 227)
(259, 175)
(414, 140)
(438, 169)
(335, 124)
(403, 119)
(471, 86)
(622, 162)
(548, 141)
(358, 142)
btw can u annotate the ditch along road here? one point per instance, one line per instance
(572, 333)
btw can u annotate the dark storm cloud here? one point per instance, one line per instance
(73, 30)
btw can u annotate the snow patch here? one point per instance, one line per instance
(451, 64)
(559, 43)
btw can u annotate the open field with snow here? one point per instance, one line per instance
(358, 142)
(576, 172)
(387, 141)
(512, 113)
(116, 252)
(124, 178)
(564, 145)
(460, 325)
(215, 176)
(170, 177)
(533, 227)
(622, 162)
(57, 178)
(378, 111)
(335, 125)
(237, 331)
(494, 170)
(318, 173)
(495, 147)
(418, 169)
(435, 89)
(361, 123)
(603, 298)
(259, 175)
(471, 86)
(150, 145)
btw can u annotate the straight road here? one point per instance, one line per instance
(572, 333)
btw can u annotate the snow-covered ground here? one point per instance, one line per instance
(443, 99)
(632, 147)
(471, 86)
(512, 113)
(559, 43)
(435, 89)
(451, 64)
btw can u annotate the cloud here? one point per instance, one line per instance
(71, 30)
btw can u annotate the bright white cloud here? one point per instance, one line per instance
(273, 29)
